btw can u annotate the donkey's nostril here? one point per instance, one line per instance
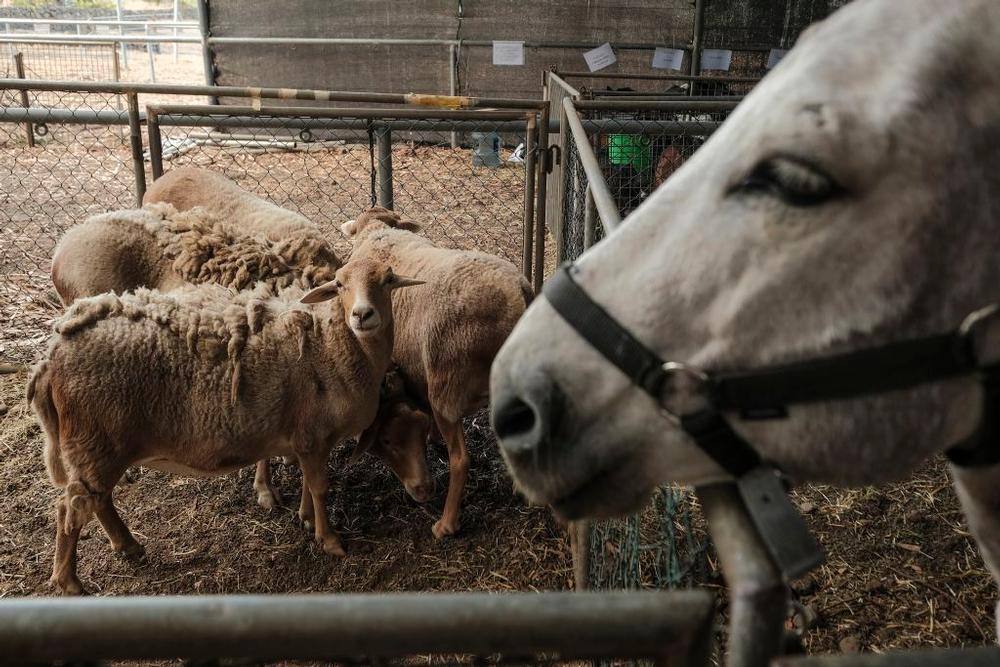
(513, 419)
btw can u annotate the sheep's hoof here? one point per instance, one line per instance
(68, 585)
(443, 528)
(268, 499)
(132, 550)
(331, 546)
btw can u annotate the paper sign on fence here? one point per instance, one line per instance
(775, 56)
(508, 53)
(601, 57)
(664, 58)
(718, 59)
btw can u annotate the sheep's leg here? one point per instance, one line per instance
(64, 567)
(267, 495)
(314, 478)
(979, 491)
(306, 515)
(119, 534)
(458, 473)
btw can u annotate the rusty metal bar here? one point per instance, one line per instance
(675, 626)
(678, 105)
(658, 77)
(607, 208)
(383, 138)
(758, 598)
(155, 143)
(208, 67)
(530, 148)
(135, 140)
(410, 99)
(29, 130)
(698, 38)
(579, 532)
(339, 112)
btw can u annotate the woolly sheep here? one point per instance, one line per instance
(447, 332)
(163, 248)
(201, 382)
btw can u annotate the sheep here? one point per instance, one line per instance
(163, 248)
(447, 332)
(199, 381)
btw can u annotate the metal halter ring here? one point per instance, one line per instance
(967, 329)
(680, 368)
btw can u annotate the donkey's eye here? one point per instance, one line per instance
(795, 182)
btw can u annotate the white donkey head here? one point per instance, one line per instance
(852, 199)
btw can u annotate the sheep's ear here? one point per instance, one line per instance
(324, 292)
(366, 440)
(350, 228)
(392, 281)
(408, 226)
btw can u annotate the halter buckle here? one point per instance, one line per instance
(680, 368)
(972, 322)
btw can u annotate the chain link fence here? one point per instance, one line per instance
(67, 155)
(84, 61)
(638, 145)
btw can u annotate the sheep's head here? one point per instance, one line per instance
(364, 287)
(398, 436)
(376, 217)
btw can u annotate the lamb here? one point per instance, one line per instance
(448, 331)
(224, 382)
(163, 248)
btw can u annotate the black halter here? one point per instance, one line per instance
(766, 394)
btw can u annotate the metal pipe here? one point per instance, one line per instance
(696, 42)
(152, 60)
(580, 546)
(383, 139)
(433, 101)
(673, 626)
(177, 15)
(452, 84)
(589, 219)
(353, 126)
(607, 208)
(538, 274)
(29, 130)
(554, 78)
(106, 22)
(135, 140)
(758, 598)
(657, 77)
(123, 38)
(208, 66)
(121, 30)
(341, 112)
(38, 115)
(681, 104)
(29, 40)
(528, 239)
(155, 143)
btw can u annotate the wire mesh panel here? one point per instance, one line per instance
(665, 545)
(468, 196)
(75, 168)
(93, 61)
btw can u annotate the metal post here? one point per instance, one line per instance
(135, 139)
(589, 219)
(453, 84)
(177, 16)
(155, 143)
(538, 275)
(696, 45)
(29, 130)
(383, 137)
(529, 196)
(152, 62)
(758, 596)
(121, 31)
(206, 53)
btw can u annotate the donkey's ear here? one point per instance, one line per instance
(366, 440)
(350, 228)
(324, 292)
(408, 226)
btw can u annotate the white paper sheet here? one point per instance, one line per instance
(601, 57)
(717, 59)
(775, 56)
(664, 58)
(508, 53)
